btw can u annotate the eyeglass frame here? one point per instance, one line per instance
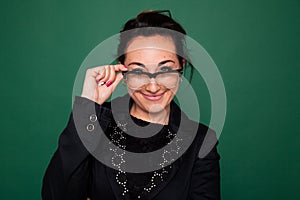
(151, 75)
(163, 12)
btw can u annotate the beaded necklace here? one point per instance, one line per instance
(117, 138)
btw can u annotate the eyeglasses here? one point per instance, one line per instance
(137, 79)
(164, 12)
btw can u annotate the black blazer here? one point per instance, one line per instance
(74, 173)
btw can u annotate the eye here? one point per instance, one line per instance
(166, 69)
(137, 71)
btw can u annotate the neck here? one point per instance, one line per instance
(161, 117)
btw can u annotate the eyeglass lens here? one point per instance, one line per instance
(169, 80)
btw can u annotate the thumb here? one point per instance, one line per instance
(119, 77)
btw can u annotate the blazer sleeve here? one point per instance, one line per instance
(68, 174)
(205, 180)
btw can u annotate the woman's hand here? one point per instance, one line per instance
(100, 82)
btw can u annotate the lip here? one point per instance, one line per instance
(155, 97)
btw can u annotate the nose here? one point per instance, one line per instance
(152, 87)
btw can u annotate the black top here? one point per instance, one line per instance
(138, 182)
(75, 173)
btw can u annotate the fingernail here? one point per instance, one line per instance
(108, 83)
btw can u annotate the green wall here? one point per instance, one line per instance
(255, 44)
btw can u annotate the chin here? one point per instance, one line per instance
(153, 104)
(155, 108)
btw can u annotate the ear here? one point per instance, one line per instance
(183, 62)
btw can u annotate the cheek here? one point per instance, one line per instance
(170, 95)
(130, 92)
(173, 91)
(135, 95)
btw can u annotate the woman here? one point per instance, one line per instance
(151, 65)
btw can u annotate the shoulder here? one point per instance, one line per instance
(205, 139)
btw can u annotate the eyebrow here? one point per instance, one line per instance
(159, 64)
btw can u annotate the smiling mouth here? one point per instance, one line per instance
(153, 97)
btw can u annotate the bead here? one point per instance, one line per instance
(117, 137)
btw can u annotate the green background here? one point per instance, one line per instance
(255, 44)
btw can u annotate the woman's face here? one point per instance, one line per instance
(152, 54)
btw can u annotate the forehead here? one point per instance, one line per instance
(152, 42)
(151, 49)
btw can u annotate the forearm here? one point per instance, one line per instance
(67, 168)
(69, 171)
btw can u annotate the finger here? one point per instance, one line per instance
(101, 74)
(120, 67)
(112, 76)
(107, 73)
(94, 72)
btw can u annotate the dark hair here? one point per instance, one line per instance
(153, 20)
